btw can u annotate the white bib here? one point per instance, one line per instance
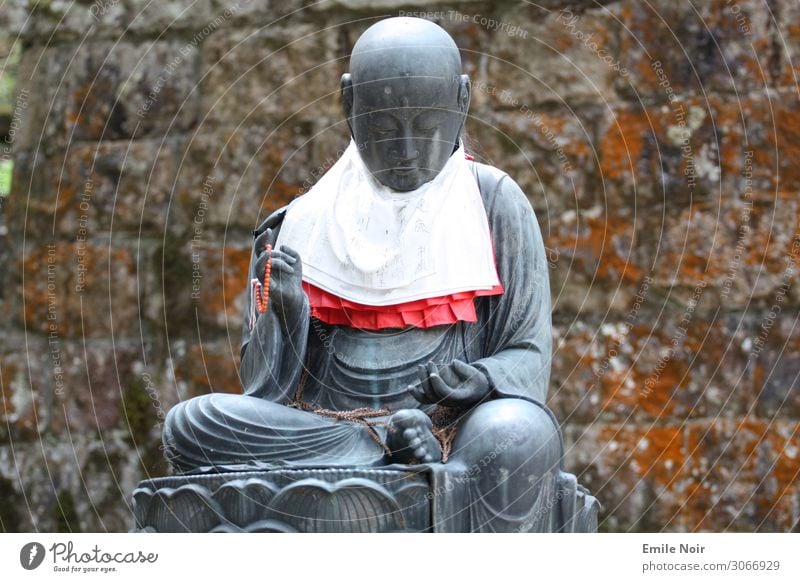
(369, 244)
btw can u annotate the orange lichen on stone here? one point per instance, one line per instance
(224, 279)
(62, 277)
(784, 439)
(744, 472)
(601, 246)
(622, 143)
(213, 369)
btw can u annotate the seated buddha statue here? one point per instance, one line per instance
(399, 312)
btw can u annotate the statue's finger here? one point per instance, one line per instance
(283, 256)
(448, 374)
(282, 266)
(291, 252)
(262, 240)
(430, 393)
(433, 370)
(417, 393)
(421, 452)
(464, 370)
(440, 388)
(429, 396)
(422, 375)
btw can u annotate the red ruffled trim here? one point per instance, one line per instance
(423, 313)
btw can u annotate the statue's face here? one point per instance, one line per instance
(406, 128)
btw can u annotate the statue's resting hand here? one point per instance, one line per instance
(456, 384)
(286, 293)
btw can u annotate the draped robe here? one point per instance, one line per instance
(341, 368)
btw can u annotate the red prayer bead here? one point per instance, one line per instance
(262, 293)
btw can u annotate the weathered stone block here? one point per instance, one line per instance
(79, 289)
(759, 141)
(27, 379)
(743, 475)
(701, 46)
(676, 366)
(233, 180)
(658, 155)
(93, 189)
(597, 260)
(787, 33)
(775, 354)
(637, 472)
(70, 485)
(102, 388)
(275, 72)
(548, 153)
(207, 366)
(553, 56)
(108, 90)
(575, 393)
(745, 252)
(193, 286)
(42, 119)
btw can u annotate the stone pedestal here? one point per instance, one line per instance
(317, 500)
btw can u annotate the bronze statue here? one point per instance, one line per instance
(406, 317)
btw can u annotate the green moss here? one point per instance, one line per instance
(174, 265)
(140, 418)
(66, 516)
(137, 410)
(10, 501)
(6, 170)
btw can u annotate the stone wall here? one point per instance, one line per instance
(658, 142)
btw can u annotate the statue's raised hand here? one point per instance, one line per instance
(286, 293)
(456, 384)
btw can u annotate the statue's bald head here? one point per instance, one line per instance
(405, 47)
(405, 100)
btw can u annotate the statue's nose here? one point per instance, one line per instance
(406, 148)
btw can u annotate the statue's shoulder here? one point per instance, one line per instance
(499, 190)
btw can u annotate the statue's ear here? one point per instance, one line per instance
(464, 90)
(347, 99)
